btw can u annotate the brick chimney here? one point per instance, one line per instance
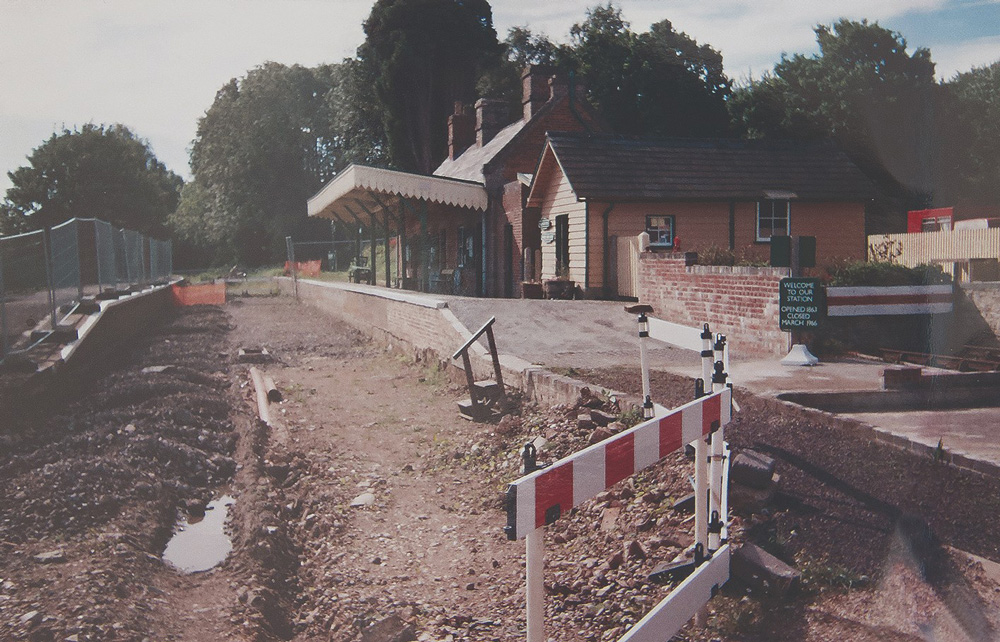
(461, 130)
(558, 87)
(535, 88)
(491, 116)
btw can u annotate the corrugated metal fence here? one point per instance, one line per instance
(46, 273)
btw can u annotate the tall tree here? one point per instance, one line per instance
(660, 82)
(425, 55)
(969, 138)
(102, 171)
(866, 91)
(521, 47)
(267, 143)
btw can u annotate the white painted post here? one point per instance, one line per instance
(534, 569)
(717, 487)
(647, 395)
(701, 486)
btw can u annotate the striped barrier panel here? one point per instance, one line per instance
(887, 300)
(681, 604)
(543, 496)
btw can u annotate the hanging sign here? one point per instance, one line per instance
(544, 224)
(548, 237)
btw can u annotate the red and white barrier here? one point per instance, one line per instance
(667, 617)
(899, 299)
(543, 496)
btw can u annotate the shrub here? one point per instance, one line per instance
(860, 273)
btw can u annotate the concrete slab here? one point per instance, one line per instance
(596, 334)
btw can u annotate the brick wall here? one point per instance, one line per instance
(740, 302)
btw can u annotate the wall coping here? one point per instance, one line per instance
(736, 270)
(415, 298)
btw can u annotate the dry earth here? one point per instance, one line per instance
(94, 485)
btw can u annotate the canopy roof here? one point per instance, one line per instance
(359, 189)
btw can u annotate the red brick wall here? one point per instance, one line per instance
(740, 302)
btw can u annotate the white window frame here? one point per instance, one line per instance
(671, 224)
(772, 203)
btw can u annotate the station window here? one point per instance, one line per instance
(772, 219)
(660, 230)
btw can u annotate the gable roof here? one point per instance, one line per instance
(471, 164)
(619, 169)
(468, 166)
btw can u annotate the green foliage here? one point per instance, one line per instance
(99, 171)
(267, 143)
(865, 91)
(521, 47)
(424, 56)
(657, 83)
(820, 575)
(969, 135)
(860, 273)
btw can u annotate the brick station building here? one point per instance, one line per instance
(464, 229)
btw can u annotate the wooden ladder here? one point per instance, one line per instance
(488, 396)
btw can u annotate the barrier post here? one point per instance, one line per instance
(647, 395)
(534, 595)
(47, 252)
(717, 440)
(3, 309)
(291, 262)
(701, 473)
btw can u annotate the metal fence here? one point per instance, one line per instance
(45, 274)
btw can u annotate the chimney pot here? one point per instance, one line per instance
(491, 116)
(534, 88)
(461, 130)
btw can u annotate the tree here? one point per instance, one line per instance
(521, 47)
(660, 83)
(864, 90)
(425, 55)
(969, 137)
(267, 144)
(96, 171)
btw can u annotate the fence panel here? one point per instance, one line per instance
(24, 292)
(64, 250)
(107, 272)
(936, 247)
(132, 249)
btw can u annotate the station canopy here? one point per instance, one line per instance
(359, 191)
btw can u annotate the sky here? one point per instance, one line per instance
(155, 66)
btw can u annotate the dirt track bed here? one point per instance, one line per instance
(100, 483)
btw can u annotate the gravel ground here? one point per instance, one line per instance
(369, 511)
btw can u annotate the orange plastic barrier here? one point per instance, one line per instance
(304, 268)
(205, 294)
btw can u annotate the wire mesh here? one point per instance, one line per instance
(64, 250)
(107, 272)
(132, 249)
(44, 273)
(24, 292)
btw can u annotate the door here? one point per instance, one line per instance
(627, 266)
(562, 245)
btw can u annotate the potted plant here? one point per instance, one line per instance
(531, 290)
(560, 287)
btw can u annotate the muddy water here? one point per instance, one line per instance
(203, 544)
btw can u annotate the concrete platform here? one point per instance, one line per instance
(596, 334)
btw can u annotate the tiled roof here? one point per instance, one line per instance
(619, 169)
(469, 164)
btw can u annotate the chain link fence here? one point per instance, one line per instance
(45, 274)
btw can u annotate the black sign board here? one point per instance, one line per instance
(802, 304)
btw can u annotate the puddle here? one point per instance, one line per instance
(199, 545)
